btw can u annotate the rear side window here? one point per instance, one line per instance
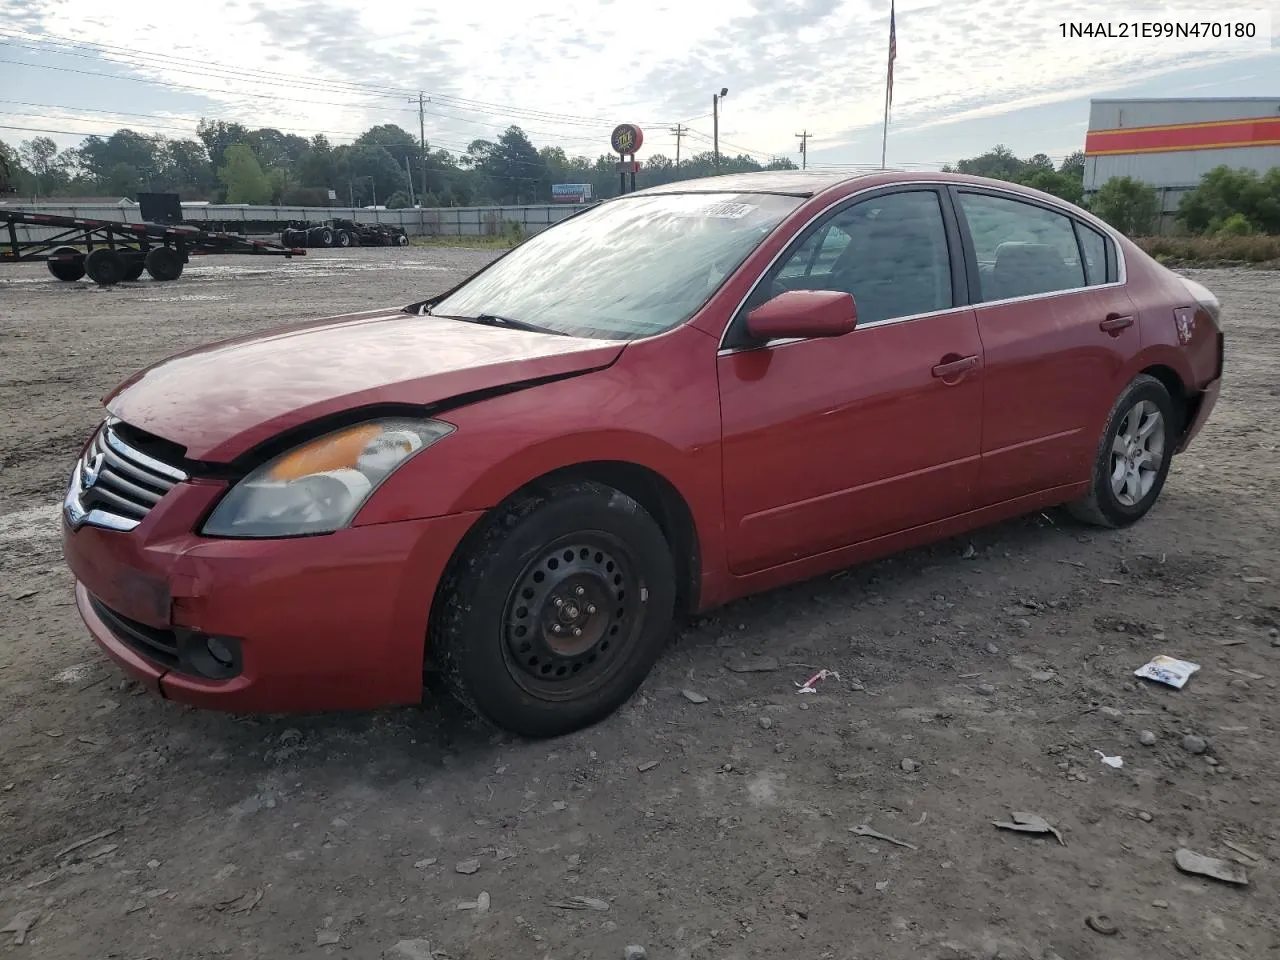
(1094, 247)
(1022, 250)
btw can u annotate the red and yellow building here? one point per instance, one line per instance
(1171, 144)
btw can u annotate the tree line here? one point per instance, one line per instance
(1226, 202)
(230, 163)
(386, 166)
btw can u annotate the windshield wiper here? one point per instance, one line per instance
(494, 320)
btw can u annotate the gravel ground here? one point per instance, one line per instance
(977, 678)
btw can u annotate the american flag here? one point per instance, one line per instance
(893, 50)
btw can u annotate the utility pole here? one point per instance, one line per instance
(679, 130)
(804, 149)
(422, 100)
(715, 122)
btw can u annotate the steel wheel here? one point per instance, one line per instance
(570, 615)
(554, 608)
(1137, 453)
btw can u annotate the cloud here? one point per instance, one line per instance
(567, 70)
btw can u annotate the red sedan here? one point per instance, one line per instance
(672, 399)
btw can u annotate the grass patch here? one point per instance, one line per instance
(490, 243)
(1218, 250)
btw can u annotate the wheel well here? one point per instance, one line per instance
(1177, 392)
(663, 502)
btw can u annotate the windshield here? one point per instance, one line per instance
(629, 268)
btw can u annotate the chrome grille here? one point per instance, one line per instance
(114, 485)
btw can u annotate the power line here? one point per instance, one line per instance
(223, 92)
(216, 70)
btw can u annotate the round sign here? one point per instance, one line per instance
(627, 138)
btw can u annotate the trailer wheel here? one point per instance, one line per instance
(105, 267)
(163, 263)
(341, 238)
(326, 237)
(68, 271)
(402, 240)
(133, 269)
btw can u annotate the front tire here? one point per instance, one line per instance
(1133, 457)
(555, 609)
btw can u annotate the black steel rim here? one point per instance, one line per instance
(569, 618)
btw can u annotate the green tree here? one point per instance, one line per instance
(39, 155)
(187, 170)
(1224, 194)
(513, 170)
(275, 149)
(243, 177)
(999, 163)
(1061, 185)
(1073, 165)
(125, 148)
(217, 135)
(1129, 205)
(400, 143)
(373, 172)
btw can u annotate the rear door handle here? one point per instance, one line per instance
(1114, 324)
(953, 368)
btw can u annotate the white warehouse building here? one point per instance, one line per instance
(1170, 144)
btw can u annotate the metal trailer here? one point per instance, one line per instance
(111, 251)
(340, 232)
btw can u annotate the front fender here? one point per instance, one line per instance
(657, 408)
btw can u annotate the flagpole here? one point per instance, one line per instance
(888, 84)
(884, 140)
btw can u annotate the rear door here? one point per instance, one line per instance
(1057, 329)
(833, 441)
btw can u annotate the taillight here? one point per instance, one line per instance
(1206, 299)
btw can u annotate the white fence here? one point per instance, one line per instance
(261, 221)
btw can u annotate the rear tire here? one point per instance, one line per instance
(1133, 457)
(324, 237)
(133, 269)
(341, 239)
(508, 649)
(164, 263)
(68, 271)
(105, 267)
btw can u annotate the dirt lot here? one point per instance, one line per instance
(997, 664)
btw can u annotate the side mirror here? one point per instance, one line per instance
(804, 314)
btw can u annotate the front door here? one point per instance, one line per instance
(831, 442)
(1057, 330)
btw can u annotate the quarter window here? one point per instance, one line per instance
(889, 251)
(1094, 247)
(1022, 250)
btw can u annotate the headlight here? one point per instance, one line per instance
(319, 486)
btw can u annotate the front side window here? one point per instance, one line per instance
(1022, 250)
(629, 268)
(889, 251)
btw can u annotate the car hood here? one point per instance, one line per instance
(222, 400)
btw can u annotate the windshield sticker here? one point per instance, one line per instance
(724, 210)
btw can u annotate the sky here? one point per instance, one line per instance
(969, 73)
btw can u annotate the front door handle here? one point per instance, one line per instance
(949, 369)
(1115, 323)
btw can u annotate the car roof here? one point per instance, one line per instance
(810, 183)
(792, 183)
